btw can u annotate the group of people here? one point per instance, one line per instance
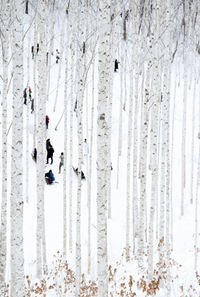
(49, 176)
(33, 51)
(25, 95)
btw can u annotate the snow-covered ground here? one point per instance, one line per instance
(183, 227)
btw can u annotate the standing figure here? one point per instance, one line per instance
(32, 51)
(38, 47)
(48, 144)
(29, 93)
(32, 105)
(47, 121)
(25, 97)
(61, 161)
(50, 152)
(47, 58)
(34, 155)
(116, 65)
(57, 56)
(85, 148)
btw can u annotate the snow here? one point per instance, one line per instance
(183, 227)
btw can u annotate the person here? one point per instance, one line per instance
(61, 161)
(47, 121)
(75, 106)
(25, 97)
(48, 144)
(111, 167)
(116, 65)
(29, 92)
(47, 57)
(32, 105)
(50, 152)
(77, 173)
(49, 177)
(38, 47)
(32, 51)
(85, 148)
(57, 56)
(35, 155)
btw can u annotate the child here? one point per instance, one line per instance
(61, 161)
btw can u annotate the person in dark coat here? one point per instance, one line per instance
(57, 56)
(25, 97)
(116, 65)
(48, 144)
(50, 152)
(47, 121)
(49, 177)
(38, 47)
(32, 51)
(35, 154)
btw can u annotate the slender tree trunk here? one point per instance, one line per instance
(50, 52)
(90, 171)
(102, 146)
(16, 202)
(34, 77)
(71, 144)
(27, 121)
(62, 38)
(65, 150)
(80, 94)
(3, 229)
(143, 168)
(41, 131)
(184, 121)
(192, 142)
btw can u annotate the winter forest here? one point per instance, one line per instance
(108, 92)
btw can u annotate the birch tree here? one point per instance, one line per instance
(102, 145)
(41, 130)
(16, 202)
(65, 147)
(5, 6)
(184, 121)
(154, 130)
(80, 93)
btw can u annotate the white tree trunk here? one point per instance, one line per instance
(143, 168)
(34, 78)
(192, 142)
(65, 149)
(71, 143)
(27, 120)
(102, 146)
(80, 94)
(184, 121)
(50, 51)
(62, 38)
(120, 118)
(16, 202)
(41, 131)
(155, 99)
(3, 228)
(90, 171)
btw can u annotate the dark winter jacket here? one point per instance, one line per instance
(48, 144)
(50, 152)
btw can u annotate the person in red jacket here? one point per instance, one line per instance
(47, 122)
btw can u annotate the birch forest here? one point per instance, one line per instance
(108, 91)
